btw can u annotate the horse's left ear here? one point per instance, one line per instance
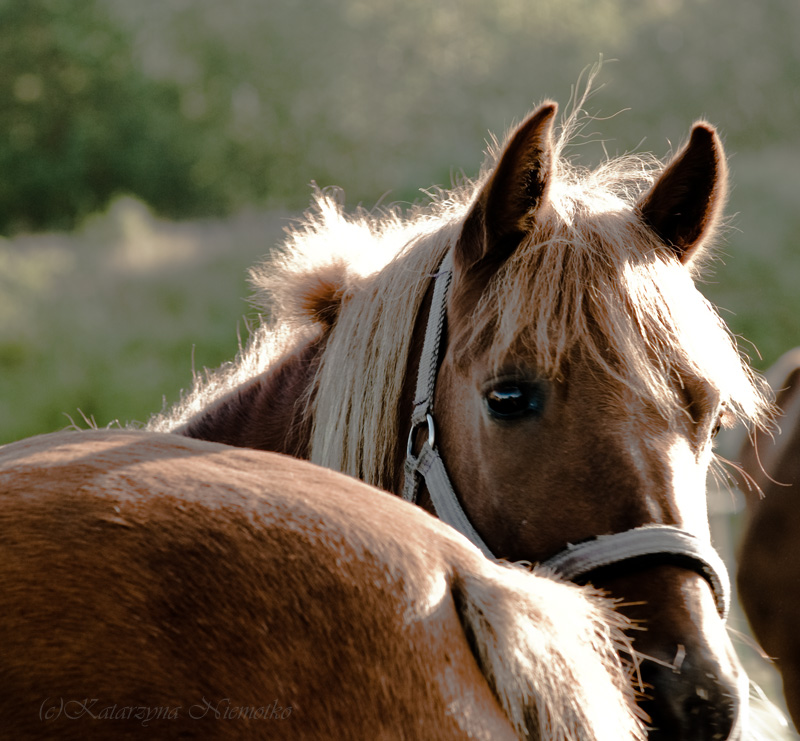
(685, 203)
(506, 207)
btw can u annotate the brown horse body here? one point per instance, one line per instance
(580, 382)
(769, 559)
(155, 585)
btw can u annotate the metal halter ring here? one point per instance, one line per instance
(412, 433)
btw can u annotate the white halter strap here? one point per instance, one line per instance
(657, 543)
(648, 543)
(428, 464)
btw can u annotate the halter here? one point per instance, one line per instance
(641, 545)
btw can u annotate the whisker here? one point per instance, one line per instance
(754, 440)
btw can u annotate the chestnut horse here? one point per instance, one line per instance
(769, 558)
(156, 585)
(529, 358)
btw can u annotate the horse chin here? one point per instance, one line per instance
(692, 685)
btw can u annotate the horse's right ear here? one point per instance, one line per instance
(507, 205)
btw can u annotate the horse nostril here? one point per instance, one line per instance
(679, 708)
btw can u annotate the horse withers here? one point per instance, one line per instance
(529, 358)
(156, 585)
(768, 573)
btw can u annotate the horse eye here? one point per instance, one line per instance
(511, 400)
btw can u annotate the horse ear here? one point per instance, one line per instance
(685, 203)
(321, 296)
(506, 206)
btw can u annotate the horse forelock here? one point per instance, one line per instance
(593, 277)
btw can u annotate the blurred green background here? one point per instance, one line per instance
(152, 151)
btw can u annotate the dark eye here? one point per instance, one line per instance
(511, 400)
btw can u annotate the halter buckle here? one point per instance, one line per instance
(412, 433)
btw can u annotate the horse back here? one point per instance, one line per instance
(206, 591)
(141, 578)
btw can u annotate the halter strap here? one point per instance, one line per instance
(428, 464)
(664, 542)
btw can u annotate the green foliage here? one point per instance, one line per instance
(201, 107)
(82, 122)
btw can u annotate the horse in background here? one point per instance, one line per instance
(154, 584)
(768, 575)
(534, 340)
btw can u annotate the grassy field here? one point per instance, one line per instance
(110, 321)
(755, 280)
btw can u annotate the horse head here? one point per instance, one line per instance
(582, 383)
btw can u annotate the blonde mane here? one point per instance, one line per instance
(591, 275)
(357, 391)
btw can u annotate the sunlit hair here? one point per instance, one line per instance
(357, 391)
(590, 276)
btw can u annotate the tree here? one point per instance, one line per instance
(82, 121)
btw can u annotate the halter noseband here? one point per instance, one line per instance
(664, 543)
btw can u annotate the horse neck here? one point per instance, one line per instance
(272, 411)
(267, 412)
